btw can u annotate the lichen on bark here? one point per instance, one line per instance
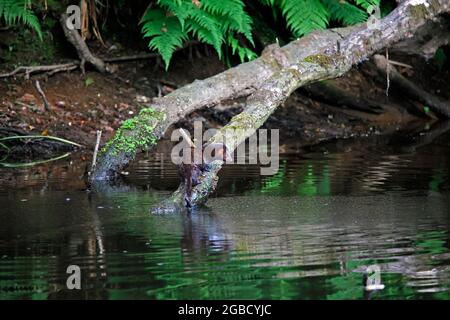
(320, 59)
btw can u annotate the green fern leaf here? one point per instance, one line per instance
(366, 3)
(179, 8)
(229, 27)
(245, 54)
(304, 16)
(231, 15)
(165, 32)
(345, 12)
(231, 8)
(17, 11)
(207, 26)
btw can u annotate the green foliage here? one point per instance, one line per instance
(304, 16)
(170, 23)
(18, 11)
(215, 22)
(367, 3)
(345, 12)
(440, 58)
(89, 81)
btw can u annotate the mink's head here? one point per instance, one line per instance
(216, 151)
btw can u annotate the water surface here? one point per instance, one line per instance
(308, 232)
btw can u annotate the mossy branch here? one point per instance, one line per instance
(138, 133)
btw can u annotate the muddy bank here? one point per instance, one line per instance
(81, 105)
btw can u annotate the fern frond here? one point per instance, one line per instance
(228, 26)
(17, 11)
(165, 32)
(345, 12)
(210, 21)
(366, 3)
(245, 54)
(179, 8)
(231, 15)
(231, 8)
(270, 3)
(304, 16)
(202, 22)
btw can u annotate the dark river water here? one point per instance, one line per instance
(308, 232)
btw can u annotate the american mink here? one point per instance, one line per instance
(190, 171)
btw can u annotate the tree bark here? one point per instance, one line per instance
(428, 38)
(270, 79)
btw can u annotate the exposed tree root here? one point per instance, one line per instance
(83, 51)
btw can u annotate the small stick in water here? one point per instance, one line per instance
(388, 80)
(186, 137)
(97, 144)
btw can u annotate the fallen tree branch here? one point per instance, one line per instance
(355, 48)
(425, 137)
(411, 89)
(55, 68)
(230, 84)
(326, 54)
(37, 69)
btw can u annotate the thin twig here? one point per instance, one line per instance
(388, 80)
(97, 143)
(132, 57)
(400, 64)
(28, 70)
(186, 137)
(27, 105)
(42, 94)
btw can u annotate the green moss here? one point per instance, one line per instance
(435, 5)
(418, 12)
(242, 121)
(136, 133)
(320, 59)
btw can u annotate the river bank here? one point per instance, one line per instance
(82, 104)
